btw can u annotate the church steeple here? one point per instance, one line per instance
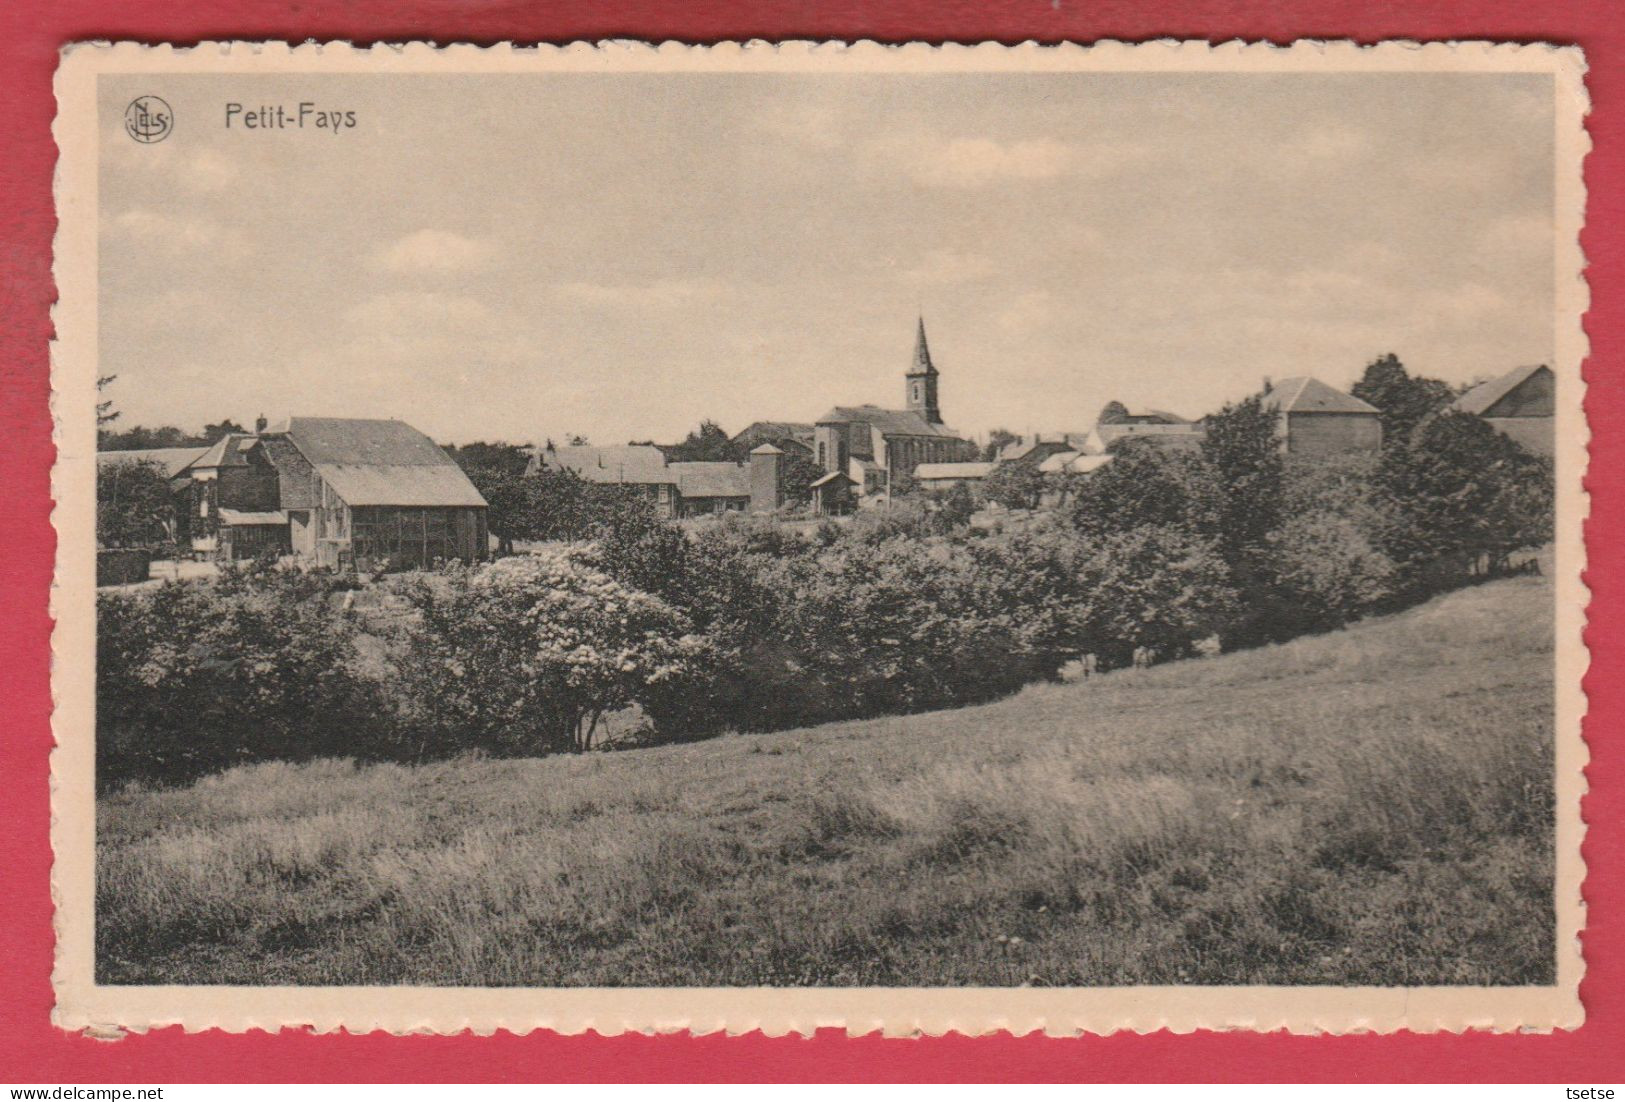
(921, 380)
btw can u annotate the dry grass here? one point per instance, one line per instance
(1372, 806)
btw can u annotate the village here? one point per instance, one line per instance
(355, 494)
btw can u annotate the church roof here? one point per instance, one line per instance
(890, 422)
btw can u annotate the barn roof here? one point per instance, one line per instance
(708, 479)
(952, 470)
(890, 422)
(639, 464)
(1307, 394)
(1484, 396)
(370, 462)
(228, 451)
(172, 461)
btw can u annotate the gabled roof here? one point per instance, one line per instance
(711, 479)
(952, 470)
(228, 451)
(637, 464)
(172, 461)
(239, 518)
(890, 422)
(372, 462)
(1307, 394)
(1484, 396)
(832, 476)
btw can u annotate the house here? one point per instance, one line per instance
(945, 476)
(1182, 434)
(790, 437)
(1039, 447)
(370, 494)
(1521, 403)
(874, 447)
(1316, 419)
(1117, 422)
(236, 503)
(704, 488)
(640, 468)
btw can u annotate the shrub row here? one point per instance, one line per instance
(746, 625)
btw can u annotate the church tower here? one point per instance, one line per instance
(922, 381)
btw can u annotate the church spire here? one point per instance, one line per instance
(921, 380)
(922, 354)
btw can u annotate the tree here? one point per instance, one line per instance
(105, 413)
(797, 473)
(134, 505)
(1403, 400)
(1463, 498)
(1244, 452)
(215, 432)
(997, 441)
(529, 653)
(1014, 485)
(957, 506)
(1330, 570)
(141, 438)
(707, 444)
(1147, 484)
(1112, 413)
(1157, 587)
(494, 460)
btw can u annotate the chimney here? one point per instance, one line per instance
(1269, 384)
(764, 478)
(260, 423)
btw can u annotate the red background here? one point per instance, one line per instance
(32, 1051)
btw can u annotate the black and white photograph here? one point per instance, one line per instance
(995, 522)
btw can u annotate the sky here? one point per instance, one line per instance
(521, 257)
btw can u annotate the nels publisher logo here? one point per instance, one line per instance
(148, 119)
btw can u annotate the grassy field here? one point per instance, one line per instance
(1371, 806)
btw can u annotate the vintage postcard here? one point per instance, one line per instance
(627, 538)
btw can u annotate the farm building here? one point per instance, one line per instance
(365, 494)
(1520, 403)
(640, 468)
(236, 501)
(874, 446)
(1316, 419)
(945, 476)
(710, 487)
(1039, 447)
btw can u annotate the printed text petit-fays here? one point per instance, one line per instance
(276, 116)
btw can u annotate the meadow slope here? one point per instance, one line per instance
(1370, 806)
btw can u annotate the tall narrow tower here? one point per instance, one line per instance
(922, 381)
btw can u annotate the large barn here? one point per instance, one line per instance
(1317, 419)
(1521, 403)
(365, 495)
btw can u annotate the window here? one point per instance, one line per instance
(821, 453)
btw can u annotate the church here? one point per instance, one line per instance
(876, 448)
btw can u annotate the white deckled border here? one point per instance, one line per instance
(82, 1005)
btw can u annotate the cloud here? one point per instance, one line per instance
(434, 251)
(418, 311)
(977, 162)
(659, 294)
(941, 266)
(160, 232)
(1026, 312)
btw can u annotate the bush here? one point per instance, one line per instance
(193, 677)
(528, 654)
(1155, 587)
(1147, 484)
(1330, 570)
